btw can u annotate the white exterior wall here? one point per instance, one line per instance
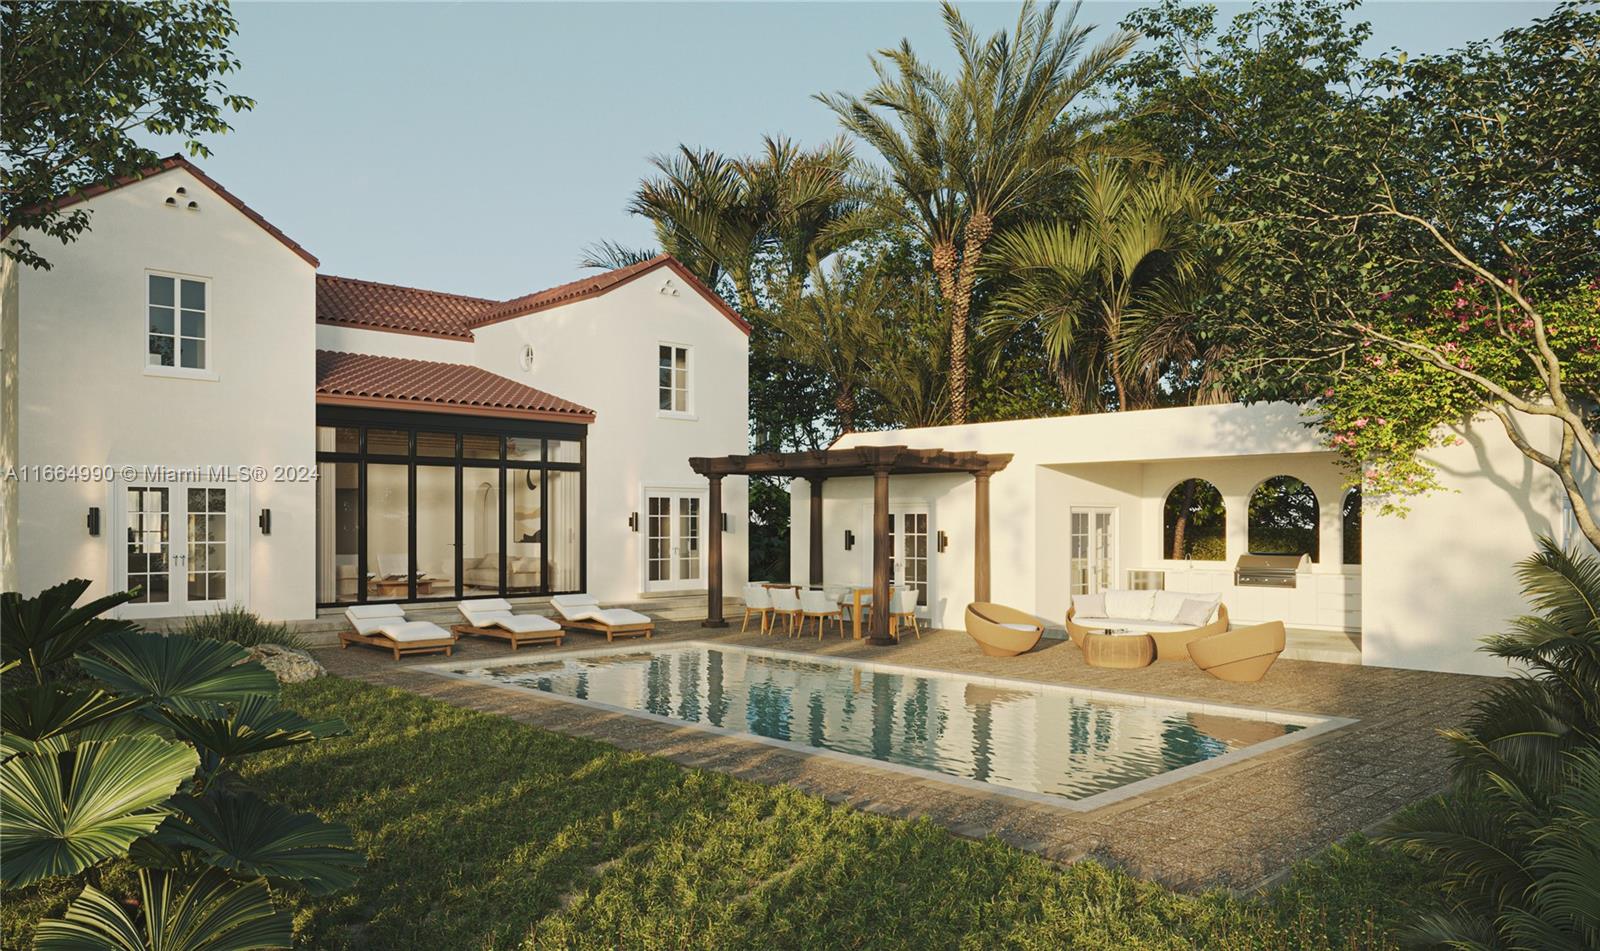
(384, 343)
(1431, 584)
(602, 352)
(85, 398)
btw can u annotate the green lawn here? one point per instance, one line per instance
(484, 833)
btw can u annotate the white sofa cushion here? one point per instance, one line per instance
(1131, 625)
(1089, 605)
(1129, 604)
(1199, 609)
(1167, 605)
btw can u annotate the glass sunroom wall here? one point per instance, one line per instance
(480, 532)
(524, 531)
(566, 531)
(388, 529)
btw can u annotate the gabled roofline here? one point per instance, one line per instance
(177, 161)
(603, 283)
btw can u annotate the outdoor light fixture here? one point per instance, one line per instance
(94, 520)
(633, 521)
(849, 539)
(944, 541)
(265, 521)
(724, 521)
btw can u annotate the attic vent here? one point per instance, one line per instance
(172, 201)
(182, 190)
(669, 288)
(194, 206)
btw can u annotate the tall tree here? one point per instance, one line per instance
(1108, 280)
(83, 83)
(967, 155)
(835, 327)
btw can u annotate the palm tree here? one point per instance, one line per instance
(707, 216)
(1112, 280)
(966, 156)
(910, 374)
(836, 327)
(610, 255)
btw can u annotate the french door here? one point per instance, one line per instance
(674, 524)
(909, 560)
(1093, 554)
(179, 548)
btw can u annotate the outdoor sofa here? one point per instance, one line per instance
(1173, 619)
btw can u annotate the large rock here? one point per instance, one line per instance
(290, 666)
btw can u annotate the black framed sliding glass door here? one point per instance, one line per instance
(424, 506)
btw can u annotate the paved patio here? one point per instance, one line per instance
(1238, 827)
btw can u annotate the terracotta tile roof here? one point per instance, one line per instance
(601, 283)
(177, 161)
(361, 379)
(353, 303)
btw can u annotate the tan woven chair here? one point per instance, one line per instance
(1241, 656)
(1001, 631)
(1170, 645)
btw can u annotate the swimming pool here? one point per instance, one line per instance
(1065, 745)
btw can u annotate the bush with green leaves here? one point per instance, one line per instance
(239, 625)
(120, 743)
(1516, 842)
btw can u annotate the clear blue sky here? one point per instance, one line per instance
(476, 148)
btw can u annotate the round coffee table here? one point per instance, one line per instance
(1122, 651)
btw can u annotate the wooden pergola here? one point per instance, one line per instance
(879, 462)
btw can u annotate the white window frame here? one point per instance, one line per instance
(178, 371)
(688, 381)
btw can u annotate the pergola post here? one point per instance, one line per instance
(880, 557)
(816, 530)
(980, 537)
(714, 555)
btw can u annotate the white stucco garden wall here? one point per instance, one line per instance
(86, 398)
(602, 352)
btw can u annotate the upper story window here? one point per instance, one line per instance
(177, 330)
(672, 383)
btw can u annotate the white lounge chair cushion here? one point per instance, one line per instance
(1021, 627)
(575, 607)
(515, 623)
(407, 631)
(485, 606)
(616, 617)
(368, 618)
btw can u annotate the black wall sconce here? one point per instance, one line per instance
(849, 539)
(944, 541)
(725, 521)
(94, 520)
(633, 521)
(265, 521)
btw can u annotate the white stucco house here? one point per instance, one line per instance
(1089, 503)
(190, 407)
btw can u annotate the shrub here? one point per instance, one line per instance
(1516, 843)
(236, 624)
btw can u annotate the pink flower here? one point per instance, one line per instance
(1327, 392)
(1361, 423)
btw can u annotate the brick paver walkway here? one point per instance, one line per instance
(1236, 827)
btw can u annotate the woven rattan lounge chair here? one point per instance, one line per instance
(384, 626)
(492, 617)
(1241, 656)
(1001, 631)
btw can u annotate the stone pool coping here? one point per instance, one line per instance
(1236, 827)
(1314, 725)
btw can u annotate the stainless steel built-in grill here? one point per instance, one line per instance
(1267, 571)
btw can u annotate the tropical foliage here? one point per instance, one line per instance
(239, 625)
(85, 82)
(119, 743)
(1517, 842)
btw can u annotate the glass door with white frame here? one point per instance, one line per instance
(674, 524)
(909, 558)
(1093, 554)
(179, 549)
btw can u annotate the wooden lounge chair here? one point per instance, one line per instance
(492, 617)
(581, 612)
(384, 626)
(1001, 631)
(1241, 656)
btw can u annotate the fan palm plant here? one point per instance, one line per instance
(1110, 281)
(1517, 840)
(836, 327)
(968, 154)
(120, 747)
